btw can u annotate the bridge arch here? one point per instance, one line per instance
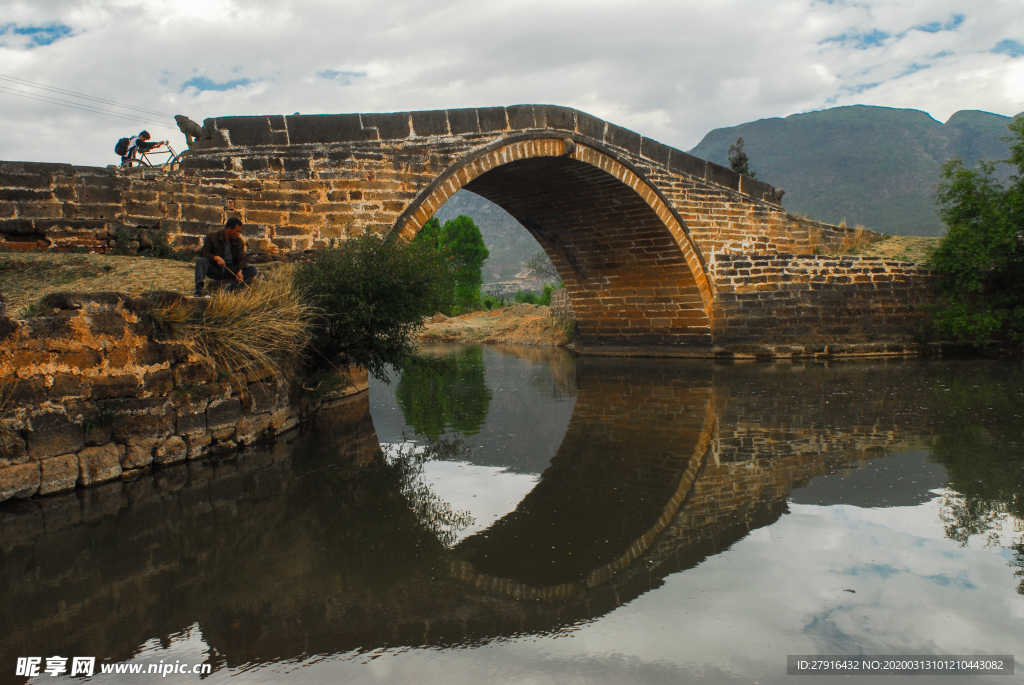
(632, 272)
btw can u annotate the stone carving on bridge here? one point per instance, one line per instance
(195, 135)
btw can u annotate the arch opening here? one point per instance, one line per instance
(632, 274)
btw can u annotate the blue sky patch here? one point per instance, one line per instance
(936, 26)
(1009, 47)
(861, 41)
(38, 35)
(203, 83)
(345, 78)
(913, 68)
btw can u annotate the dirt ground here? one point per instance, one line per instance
(520, 324)
(25, 277)
(899, 247)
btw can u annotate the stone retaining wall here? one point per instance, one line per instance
(814, 300)
(92, 397)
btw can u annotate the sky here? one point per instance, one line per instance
(670, 70)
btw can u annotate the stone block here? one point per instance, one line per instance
(12, 449)
(99, 435)
(326, 128)
(53, 434)
(170, 451)
(19, 481)
(191, 374)
(68, 385)
(198, 444)
(98, 464)
(190, 422)
(159, 382)
(462, 121)
(138, 451)
(223, 413)
(250, 428)
(156, 425)
(59, 473)
(115, 386)
(432, 123)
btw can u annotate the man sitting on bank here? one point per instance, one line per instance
(223, 258)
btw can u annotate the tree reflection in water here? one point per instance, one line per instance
(981, 425)
(448, 394)
(431, 512)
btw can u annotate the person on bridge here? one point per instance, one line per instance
(140, 143)
(222, 257)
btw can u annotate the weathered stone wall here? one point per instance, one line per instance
(817, 301)
(93, 397)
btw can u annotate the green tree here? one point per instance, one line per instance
(738, 160)
(461, 246)
(981, 258)
(370, 294)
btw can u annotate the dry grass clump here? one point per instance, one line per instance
(264, 327)
(906, 248)
(8, 385)
(853, 242)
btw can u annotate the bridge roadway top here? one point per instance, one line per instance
(483, 122)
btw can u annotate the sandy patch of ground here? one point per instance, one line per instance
(899, 247)
(520, 324)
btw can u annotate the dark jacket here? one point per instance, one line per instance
(213, 246)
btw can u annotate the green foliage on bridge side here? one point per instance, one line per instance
(981, 259)
(461, 246)
(370, 294)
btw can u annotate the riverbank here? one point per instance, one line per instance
(97, 387)
(520, 324)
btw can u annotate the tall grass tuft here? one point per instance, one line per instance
(263, 328)
(8, 386)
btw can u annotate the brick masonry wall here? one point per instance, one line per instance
(818, 301)
(93, 397)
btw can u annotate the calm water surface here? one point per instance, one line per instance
(514, 515)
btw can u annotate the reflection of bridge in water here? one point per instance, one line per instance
(307, 548)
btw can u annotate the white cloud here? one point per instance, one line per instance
(671, 70)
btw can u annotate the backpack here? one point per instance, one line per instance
(122, 146)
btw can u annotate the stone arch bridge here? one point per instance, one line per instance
(661, 252)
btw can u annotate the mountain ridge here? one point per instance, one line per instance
(876, 166)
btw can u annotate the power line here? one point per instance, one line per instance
(78, 106)
(83, 96)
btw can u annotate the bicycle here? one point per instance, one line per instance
(142, 159)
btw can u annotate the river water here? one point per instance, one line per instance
(517, 515)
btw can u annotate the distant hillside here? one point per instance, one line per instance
(509, 243)
(874, 166)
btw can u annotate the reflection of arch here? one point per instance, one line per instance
(629, 459)
(631, 270)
